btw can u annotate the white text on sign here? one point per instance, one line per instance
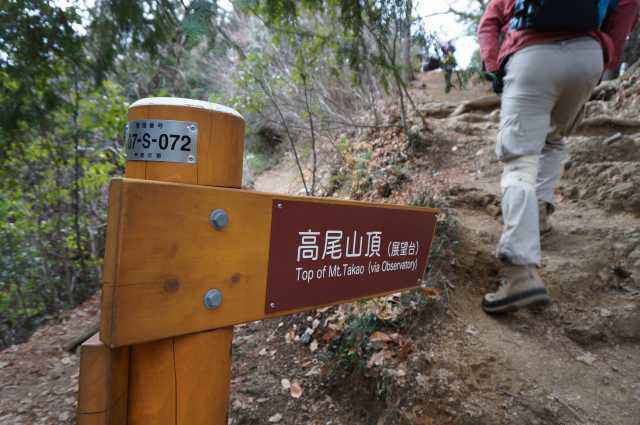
(335, 245)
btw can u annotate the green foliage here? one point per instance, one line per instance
(259, 163)
(52, 208)
(37, 41)
(362, 178)
(148, 26)
(252, 75)
(61, 123)
(343, 146)
(337, 180)
(352, 347)
(476, 61)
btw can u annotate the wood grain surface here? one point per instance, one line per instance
(103, 383)
(220, 148)
(169, 255)
(178, 380)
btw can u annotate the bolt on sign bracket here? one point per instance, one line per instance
(277, 255)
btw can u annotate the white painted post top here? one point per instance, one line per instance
(191, 103)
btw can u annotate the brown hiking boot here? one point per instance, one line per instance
(520, 286)
(544, 211)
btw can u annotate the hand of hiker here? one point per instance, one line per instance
(498, 82)
(496, 79)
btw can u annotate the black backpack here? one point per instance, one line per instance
(561, 15)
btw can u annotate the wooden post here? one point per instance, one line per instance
(102, 392)
(172, 253)
(185, 380)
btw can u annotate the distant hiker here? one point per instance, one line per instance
(546, 57)
(448, 63)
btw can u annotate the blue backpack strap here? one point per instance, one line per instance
(604, 8)
(521, 10)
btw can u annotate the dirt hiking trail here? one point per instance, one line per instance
(578, 361)
(432, 356)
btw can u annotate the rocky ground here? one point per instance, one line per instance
(431, 356)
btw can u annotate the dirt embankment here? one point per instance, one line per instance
(432, 356)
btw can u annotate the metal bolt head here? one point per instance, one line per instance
(212, 299)
(191, 158)
(193, 127)
(218, 219)
(279, 205)
(272, 305)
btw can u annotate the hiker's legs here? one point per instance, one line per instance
(520, 241)
(578, 83)
(554, 153)
(525, 120)
(538, 101)
(447, 80)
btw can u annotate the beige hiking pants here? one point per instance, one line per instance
(545, 87)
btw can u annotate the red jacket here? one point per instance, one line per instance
(495, 22)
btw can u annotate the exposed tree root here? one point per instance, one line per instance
(486, 103)
(603, 121)
(605, 90)
(438, 112)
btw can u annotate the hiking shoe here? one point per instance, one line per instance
(520, 286)
(544, 211)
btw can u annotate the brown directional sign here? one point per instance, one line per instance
(163, 255)
(323, 253)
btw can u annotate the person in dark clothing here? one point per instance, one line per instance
(448, 63)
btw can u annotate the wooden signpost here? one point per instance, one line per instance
(189, 255)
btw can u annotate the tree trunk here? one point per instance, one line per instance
(314, 166)
(406, 43)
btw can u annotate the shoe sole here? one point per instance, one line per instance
(532, 298)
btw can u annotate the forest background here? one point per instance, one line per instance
(303, 74)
